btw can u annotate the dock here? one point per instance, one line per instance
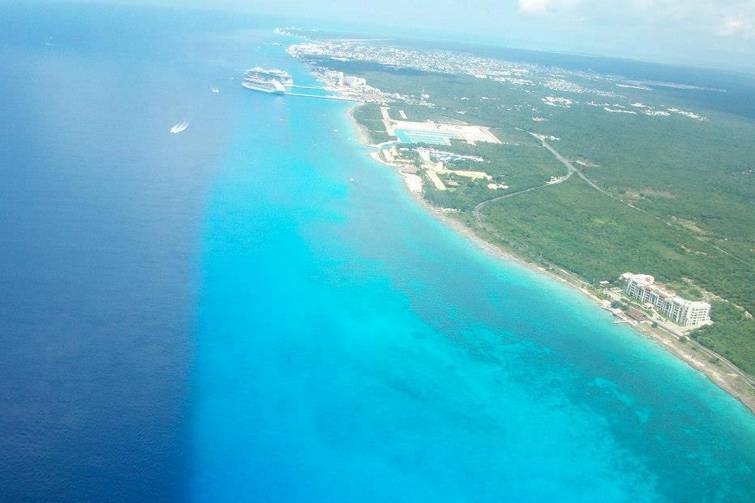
(321, 96)
(324, 97)
(308, 87)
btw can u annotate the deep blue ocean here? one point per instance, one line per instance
(253, 310)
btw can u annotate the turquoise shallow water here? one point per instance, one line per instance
(351, 348)
(417, 137)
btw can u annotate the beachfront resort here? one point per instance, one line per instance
(429, 158)
(643, 288)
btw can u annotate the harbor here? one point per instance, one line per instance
(279, 82)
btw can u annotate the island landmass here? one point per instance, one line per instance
(587, 177)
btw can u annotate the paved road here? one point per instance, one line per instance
(592, 184)
(570, 170)
(566, 162)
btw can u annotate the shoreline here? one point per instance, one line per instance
(731, 380)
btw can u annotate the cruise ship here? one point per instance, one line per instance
(273, 81)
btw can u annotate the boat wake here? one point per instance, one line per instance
(179, 128)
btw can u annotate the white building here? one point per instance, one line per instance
(352, 81)
(683, 312)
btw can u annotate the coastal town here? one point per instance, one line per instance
(598, 91)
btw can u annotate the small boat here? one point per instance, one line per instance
(179, 128)
(215, 90)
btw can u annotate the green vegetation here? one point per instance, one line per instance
(522, 163)
(599, 238)
(731, 335)
(464, 197)
(680, 201)
(368, 116)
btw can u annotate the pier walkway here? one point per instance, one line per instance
(324, 96)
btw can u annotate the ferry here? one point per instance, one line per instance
(272, 81)
(179, 128)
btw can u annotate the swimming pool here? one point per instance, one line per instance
(406, 136)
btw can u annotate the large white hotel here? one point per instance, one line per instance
(681, 311)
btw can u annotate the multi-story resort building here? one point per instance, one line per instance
(681, 311)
